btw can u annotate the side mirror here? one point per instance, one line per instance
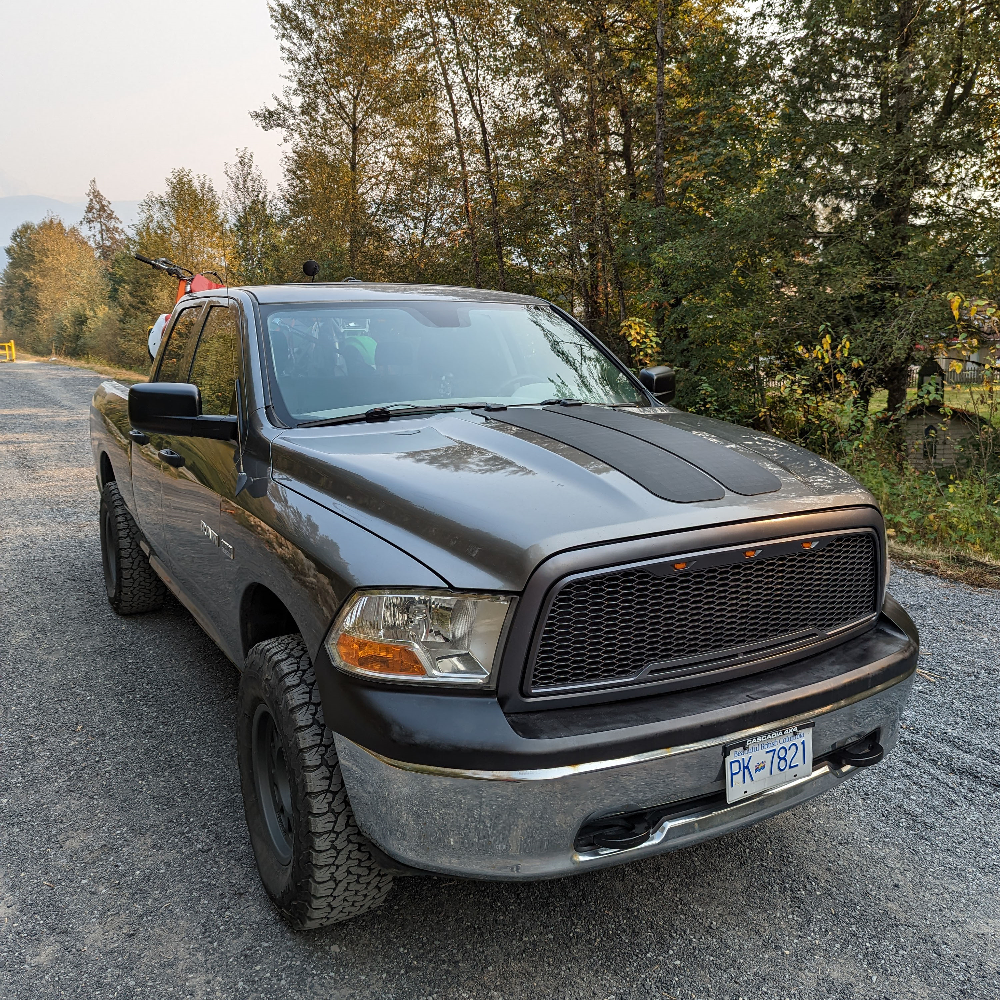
(156, 336)
(661, 381)
(175, 408)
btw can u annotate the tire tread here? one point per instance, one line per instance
(336, 876)
(140, 589)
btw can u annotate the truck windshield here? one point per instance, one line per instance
(335, 359)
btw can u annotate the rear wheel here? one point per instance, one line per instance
(131, 584)
(315, 863)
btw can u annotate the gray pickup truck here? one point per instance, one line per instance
(500, 611)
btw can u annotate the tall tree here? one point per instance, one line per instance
(254, 234)
(53, 287)
(352, 82)
(658, 165)
(456, 123)
(892, 109)
(469, 54)
(184, 223)
(107, 235)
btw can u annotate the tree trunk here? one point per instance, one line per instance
(476, 103)
(897, 382)
(352, 223)
(600, 206)
(460, 146)
(628, 144)
(659, 196)
(565, 128)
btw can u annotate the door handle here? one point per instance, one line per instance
(138, 437)
(171, 457)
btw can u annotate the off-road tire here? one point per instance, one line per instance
(318, 867)
(130, 582)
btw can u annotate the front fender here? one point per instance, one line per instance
(311, 558)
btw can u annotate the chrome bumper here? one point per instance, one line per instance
(522, 824)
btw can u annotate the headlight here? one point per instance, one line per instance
(425, 638)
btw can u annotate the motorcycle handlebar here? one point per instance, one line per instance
(168, 267)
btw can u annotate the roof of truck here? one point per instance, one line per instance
(355, 291)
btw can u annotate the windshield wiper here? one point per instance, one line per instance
(554, 401)
(379, 414)
(560, 401)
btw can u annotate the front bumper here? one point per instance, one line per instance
(525, 824)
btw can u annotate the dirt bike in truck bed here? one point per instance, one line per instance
(500, 611)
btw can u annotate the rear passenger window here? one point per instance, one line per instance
(216, 361)
(173, 367)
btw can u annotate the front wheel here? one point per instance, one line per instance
(313, 860)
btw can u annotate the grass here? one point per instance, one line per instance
(932, 509)
(125, 375)
(937, 524)
(957, 397)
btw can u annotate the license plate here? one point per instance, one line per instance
(768, 761)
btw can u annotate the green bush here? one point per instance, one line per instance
(930, 509)
(817, 405)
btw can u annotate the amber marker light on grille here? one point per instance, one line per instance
(750, 553)
(682, 565)
(808, 545)
(379, 657)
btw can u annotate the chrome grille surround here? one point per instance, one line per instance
(684, 615)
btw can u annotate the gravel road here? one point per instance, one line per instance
(125, 868)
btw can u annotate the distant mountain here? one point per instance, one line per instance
(33, 208)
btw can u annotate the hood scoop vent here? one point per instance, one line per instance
(668, 462)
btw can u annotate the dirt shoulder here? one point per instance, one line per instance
(125, 375)
(950, 564)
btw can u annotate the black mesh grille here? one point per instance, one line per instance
(609, 627)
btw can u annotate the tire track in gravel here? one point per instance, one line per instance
(125, 870)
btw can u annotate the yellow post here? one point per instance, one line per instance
(10, 352)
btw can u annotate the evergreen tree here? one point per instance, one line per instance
(254, 235)
(107, 234)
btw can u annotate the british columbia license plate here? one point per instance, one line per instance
(766, 762)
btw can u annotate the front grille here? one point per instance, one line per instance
(657, 621)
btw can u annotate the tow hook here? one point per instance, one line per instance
(861, 753)
(621, 835)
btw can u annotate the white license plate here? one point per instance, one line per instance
(767, 762)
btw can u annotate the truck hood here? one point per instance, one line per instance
(482, 502)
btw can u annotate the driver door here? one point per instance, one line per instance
(146, 449)
(205, 471)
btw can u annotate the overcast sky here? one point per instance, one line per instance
(126, 90)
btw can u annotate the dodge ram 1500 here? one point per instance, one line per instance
(500, 611)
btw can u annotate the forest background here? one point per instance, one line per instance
(792, 202)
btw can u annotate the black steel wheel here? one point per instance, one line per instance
(315, 863)
(109, 552)
(270, 773)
